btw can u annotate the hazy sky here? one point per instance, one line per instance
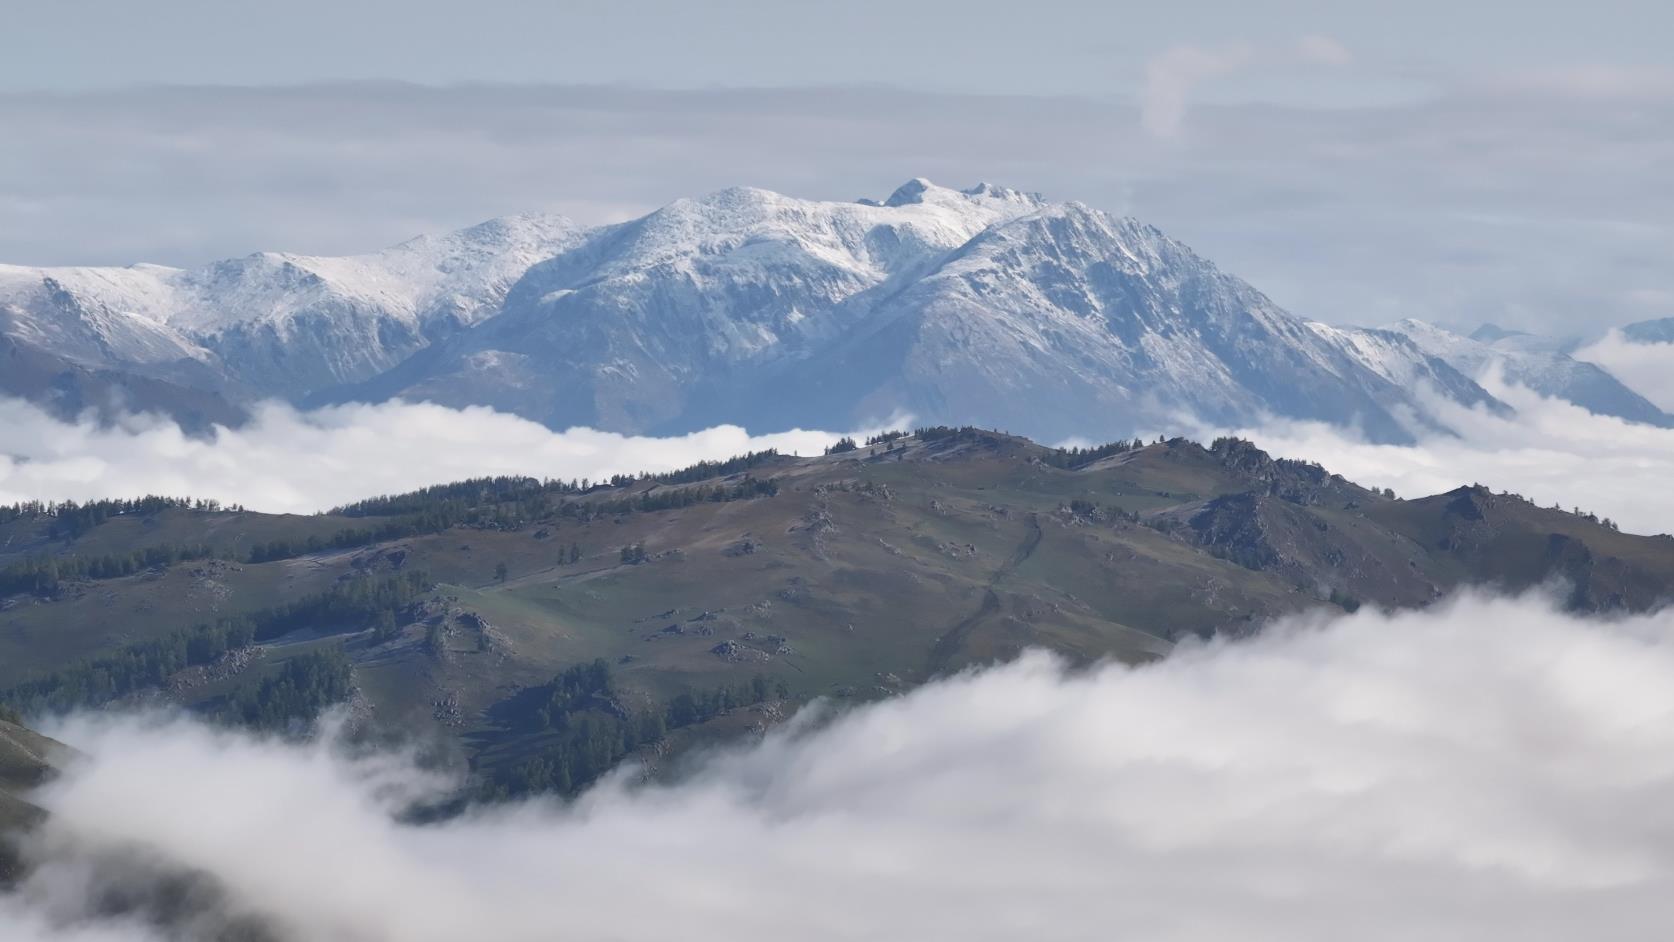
(1050, 47)
(1492, 161)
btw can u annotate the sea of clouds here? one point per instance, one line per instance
(1644, 366)
(1485, 769)
(290, 461)
(1550, 451)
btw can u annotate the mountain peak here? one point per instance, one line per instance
(911, 192)
(921, 190)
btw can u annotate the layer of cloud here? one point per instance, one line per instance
(1482, 769)
(1505, 204)
(1646, 367)
(1174, 74)
(290, 461)
(1550, 451)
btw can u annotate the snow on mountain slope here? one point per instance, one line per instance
(636, 322)
(277, 324)
(1533, 362)
(986, 305)
(983, 305)
(98, 316)
(1070, 321)
(1660, 330)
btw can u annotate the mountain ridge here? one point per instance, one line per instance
(445, 613)
(986, 305)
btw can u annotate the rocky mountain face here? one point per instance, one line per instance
(1539, 363)
(271, 324)
(1660, 330)
(986, 305)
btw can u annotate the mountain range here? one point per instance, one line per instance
(986, 305)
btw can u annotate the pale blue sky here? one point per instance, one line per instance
(1485, 160)
(1040, 47)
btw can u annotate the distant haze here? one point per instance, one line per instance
(300, 462)
(1532, 202)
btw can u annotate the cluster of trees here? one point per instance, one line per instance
(842, 445)
(579, 687)
(692, 707)
(591, 732)
(634, 554)
(44, 575)
(130, 669)
(671, 498)
(304, 686)
(346, 538)
(884, 438)
(707, 470)
(474, 492)
(460, 500)
(357, 603)
(71, 519)
(962, 433)
(1073, 458)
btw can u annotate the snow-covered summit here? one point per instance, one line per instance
(987, 304)
(279, 323)
(1520, 358)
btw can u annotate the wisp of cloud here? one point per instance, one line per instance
(1487, 768)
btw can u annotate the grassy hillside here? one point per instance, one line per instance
(26, 759)
(711, 596)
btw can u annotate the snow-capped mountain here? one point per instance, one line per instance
(1660, 330)
(986, 305)
(275, 324)
(1535, 362)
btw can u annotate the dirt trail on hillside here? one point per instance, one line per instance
(951, 640)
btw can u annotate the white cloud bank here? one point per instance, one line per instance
(1485, 769)
(1550, 451)
(290, 461)
(1646, 367)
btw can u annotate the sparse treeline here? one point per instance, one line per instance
(481, 492)
(71, 519)
(592, 731)
(1067, 458)
(706, 470)
(1072, 458)
(44, 575)
(358, 603)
